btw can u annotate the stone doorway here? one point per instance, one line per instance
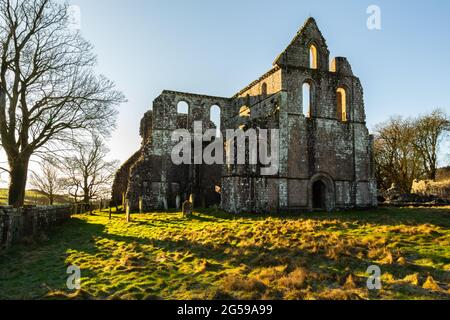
(319, 195)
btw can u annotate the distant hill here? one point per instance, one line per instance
(33, 197)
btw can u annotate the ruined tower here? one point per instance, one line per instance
(325, 150)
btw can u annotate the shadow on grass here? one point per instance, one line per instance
(253, 257)
(31, 271)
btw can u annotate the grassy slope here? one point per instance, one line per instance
(312, 256)
(33, 197)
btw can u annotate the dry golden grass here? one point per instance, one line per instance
(413, 279)
(220, 256)
(430, 284)
(294, 280)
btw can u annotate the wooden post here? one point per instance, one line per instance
(110, 213)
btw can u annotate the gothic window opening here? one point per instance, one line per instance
(307, 99)
(215, 118)
(264, 90)
(341, 104)
(183, 107)
(313, 57)
(244, 112)
(333, 65)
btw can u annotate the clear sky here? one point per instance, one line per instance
(217, 47)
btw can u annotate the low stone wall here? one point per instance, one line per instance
(16, 224)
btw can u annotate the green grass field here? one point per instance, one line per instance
(219, 256)
(33, 197)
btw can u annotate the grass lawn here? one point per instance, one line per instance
(33, 197)
(219, 256)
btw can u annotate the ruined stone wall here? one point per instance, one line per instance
(322, 154)
(315, 144)
(16, 224)
(319, 141)
(121, 179)
(297, 52)
(243, 187)
(145, 129)
(155, 182)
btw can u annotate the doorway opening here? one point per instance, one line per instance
(319, 196)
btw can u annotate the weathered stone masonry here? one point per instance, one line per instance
(326, 152)
(16, 224)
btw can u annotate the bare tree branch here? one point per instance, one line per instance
(88, 176)
(48, 89)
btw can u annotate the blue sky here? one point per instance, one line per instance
(218, 47)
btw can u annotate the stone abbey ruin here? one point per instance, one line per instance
(325, 150)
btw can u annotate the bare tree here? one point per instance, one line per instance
(397, 160)
(48, 181)
(48, 88)
(430, 131)
(88, 175)
(407, 149)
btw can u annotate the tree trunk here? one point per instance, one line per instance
(18, 181)
(432, 175)
(86, 198)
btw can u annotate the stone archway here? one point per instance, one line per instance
(321, 193)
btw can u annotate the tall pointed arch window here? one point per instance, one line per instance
(306, 99)
(313, 57)
(264, 90)
(215, 118)
(342, 107)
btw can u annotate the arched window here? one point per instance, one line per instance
(341, 96)
(183, 107)
(183, 110)
(244, 112)
(215, 117)
(307, 99)
(264, 90)
(313, 57)
(333, 65)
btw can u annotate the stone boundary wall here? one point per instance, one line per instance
(16, 224)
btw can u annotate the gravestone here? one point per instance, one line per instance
(141, 205)
(393, 193)
(128, 212)
(187, 209)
